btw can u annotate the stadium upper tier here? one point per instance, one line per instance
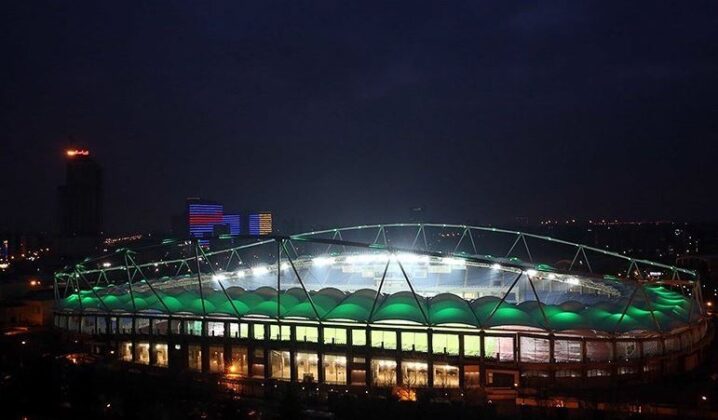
(430, 275)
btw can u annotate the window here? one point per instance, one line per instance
(160, 351)
(126, 325)
(535, 350)
(414, 341)
(383, 372)
(280, 332)
(627, 350)
(335, 369)
(307, 367)
(673, 344)
(193, 327)
(651, 348)
(445, 344)
(415, 374)
(358, 337)
(335, 336)
(216, 359)
(159, 326)
(446, 376)
(308, 334)
(215, 329)
(258, 331)
(599, 351)
(176, 326)
(472, 376)
(194, 357)
(126, 351)
(499, 348)
(101, 325)
(626, 370)
(142, 325)
(535, 374)
(597, 372)
(113, 325)
(508, 380)
(237, 330)
(88, 325)
(240, 362)
(257, 367)
(74, 323)
(568, 374)
(383, 339)
(279, 364)
(142, 353)
(472, 346)
(567, 351)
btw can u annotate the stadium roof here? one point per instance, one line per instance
(431, 275)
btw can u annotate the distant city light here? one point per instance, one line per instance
(106, 264)
(77, 152)
(573, 281)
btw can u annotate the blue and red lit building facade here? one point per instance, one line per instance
(207, 219)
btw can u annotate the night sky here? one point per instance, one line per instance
(339, 113)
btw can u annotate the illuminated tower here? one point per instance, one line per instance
(203, 216)
(81, 198)
(260, 223)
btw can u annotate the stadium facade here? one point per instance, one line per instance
(403, 305)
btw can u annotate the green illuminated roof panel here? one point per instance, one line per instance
(666, 308)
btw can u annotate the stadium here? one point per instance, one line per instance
(388, 306)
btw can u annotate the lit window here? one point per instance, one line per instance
(383, 372)
(358, 337)
(472, 345)
(259, 332)
(280, 332)
(499, 348)
(335, 336)
(414, 341)
(215, 329)
(383, 339)
(308, 334)
(445, 344)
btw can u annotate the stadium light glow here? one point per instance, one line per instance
(496, 266)
(366, 258)
(573, 281)
(219, 277)
(323, 261)
(412, 258)
(531, 273)
(260, 270)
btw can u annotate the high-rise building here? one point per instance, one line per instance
(202, 216)
(80, 199)
(234, 223)
(260, 223)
